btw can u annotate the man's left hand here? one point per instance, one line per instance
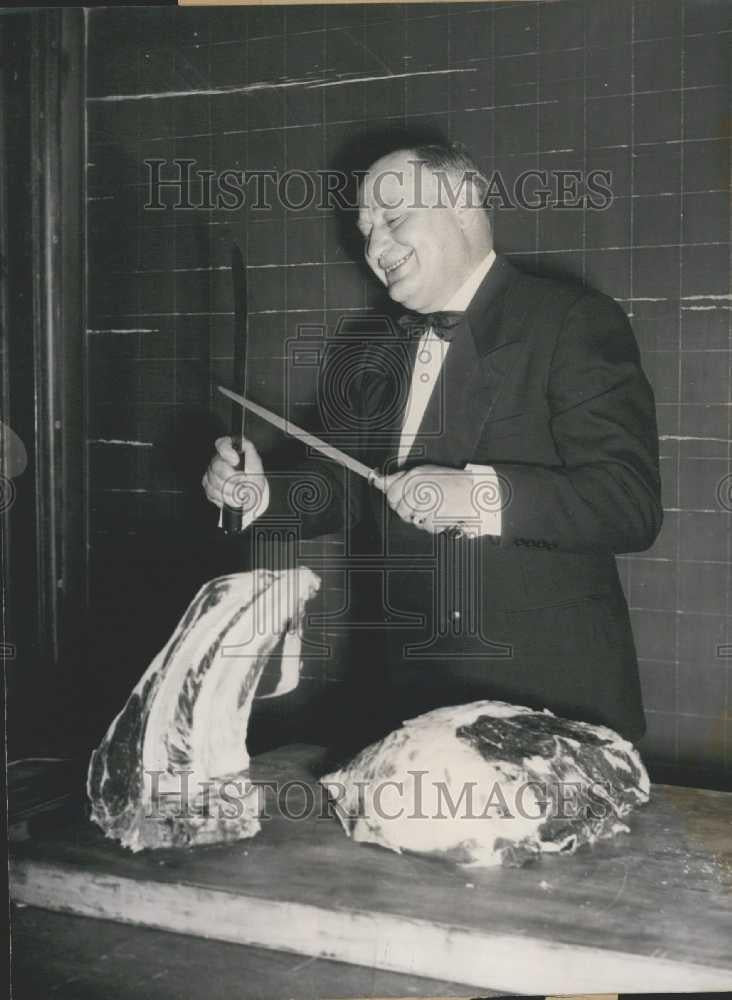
(433, 498)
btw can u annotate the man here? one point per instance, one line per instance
(523, 457)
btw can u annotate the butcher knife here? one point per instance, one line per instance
(360, 468)
(230, 518)
(372, 476)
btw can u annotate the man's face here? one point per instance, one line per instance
(415, 241)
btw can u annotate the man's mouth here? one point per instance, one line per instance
(391, 268)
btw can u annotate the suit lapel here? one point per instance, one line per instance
(485, 349)
(499, 331)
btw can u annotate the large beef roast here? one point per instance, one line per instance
(159, 776)
(489, 783)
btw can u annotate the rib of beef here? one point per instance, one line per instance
(489, 783)
(158, 778)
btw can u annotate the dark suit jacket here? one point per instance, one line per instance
(543, 381)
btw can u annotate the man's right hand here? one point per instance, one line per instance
(224, 483)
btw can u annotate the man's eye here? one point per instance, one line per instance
(391, 223)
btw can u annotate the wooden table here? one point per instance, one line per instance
(650, 911)
(65, 957)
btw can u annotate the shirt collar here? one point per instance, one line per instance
(463, 296)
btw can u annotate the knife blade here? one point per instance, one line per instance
(330, 450)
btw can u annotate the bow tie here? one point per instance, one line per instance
(444, 324)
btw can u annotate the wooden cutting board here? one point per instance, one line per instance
(650, 911)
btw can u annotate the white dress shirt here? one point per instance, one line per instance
(431, 354)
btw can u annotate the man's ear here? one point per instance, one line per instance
(468, 202)
(468, 212)
(472, 215)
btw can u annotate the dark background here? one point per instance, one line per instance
(637, 88)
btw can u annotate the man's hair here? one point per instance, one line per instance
(453, 159)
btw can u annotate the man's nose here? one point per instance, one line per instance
(376, 245)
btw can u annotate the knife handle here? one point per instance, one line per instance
(231, 517)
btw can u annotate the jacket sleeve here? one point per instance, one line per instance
(606, 495)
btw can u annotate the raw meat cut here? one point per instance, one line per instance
(159, 776)
(489, 783)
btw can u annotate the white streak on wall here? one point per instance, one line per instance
(226, 267)
(523, 104)
(207, 313)
(687, 510)
(387, 76)
(691, 437)
(132, 444)
(252, 88)
(691, 298)
(299, 263)
(685, 298)
(187, 270)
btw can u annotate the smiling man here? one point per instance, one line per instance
(422, 233)
(425, 240)
(522, 456)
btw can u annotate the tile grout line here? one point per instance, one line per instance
(677, 540)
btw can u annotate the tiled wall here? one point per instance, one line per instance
(638, 87)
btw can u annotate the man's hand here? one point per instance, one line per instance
(246, 490)
(435, 498)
